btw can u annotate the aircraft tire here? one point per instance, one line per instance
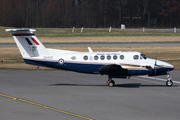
(111, 83)
(169, 83)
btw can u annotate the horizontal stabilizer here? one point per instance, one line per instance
(20, 30)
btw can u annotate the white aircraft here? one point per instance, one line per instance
(114, 64)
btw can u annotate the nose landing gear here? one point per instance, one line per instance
(169, 81)
(110, 82)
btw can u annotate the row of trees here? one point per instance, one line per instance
(90, 13)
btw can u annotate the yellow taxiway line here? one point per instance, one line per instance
(46, 107)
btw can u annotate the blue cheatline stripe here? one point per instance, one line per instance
(78, 67)
(29, 42)
(42, 63)
(83, 68)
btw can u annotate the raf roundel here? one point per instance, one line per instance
(61, 61)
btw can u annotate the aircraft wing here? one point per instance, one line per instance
(113, 70)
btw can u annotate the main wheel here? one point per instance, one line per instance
(111, 83)
(169, 83)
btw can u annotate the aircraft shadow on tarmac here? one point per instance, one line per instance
(128, 85)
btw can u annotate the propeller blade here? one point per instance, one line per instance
(155, 66)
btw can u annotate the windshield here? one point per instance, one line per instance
(143, 56)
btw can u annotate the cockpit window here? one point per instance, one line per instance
(143, 56)
(136, 57)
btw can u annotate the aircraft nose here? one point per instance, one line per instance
(167, 66)
(171, 67)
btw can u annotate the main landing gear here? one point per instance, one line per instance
(110, 82)
(169, 81)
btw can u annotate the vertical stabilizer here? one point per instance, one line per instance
(28, 43)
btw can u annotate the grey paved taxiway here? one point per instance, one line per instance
(64, 95)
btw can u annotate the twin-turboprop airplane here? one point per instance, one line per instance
(114, 64)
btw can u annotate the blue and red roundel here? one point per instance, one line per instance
(61, 61)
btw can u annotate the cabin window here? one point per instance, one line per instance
(96, 57)
(121, 57)
(108, 57)
(102, 57)
(136, 57)
(73, 57)
(85, 57)
(115, 57)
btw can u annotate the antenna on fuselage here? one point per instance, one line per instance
(90, 50)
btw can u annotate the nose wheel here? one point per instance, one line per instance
(110, 82)
(169, 81)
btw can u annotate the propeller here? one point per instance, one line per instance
(155, 66)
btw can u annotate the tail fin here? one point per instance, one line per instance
(28, 43)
